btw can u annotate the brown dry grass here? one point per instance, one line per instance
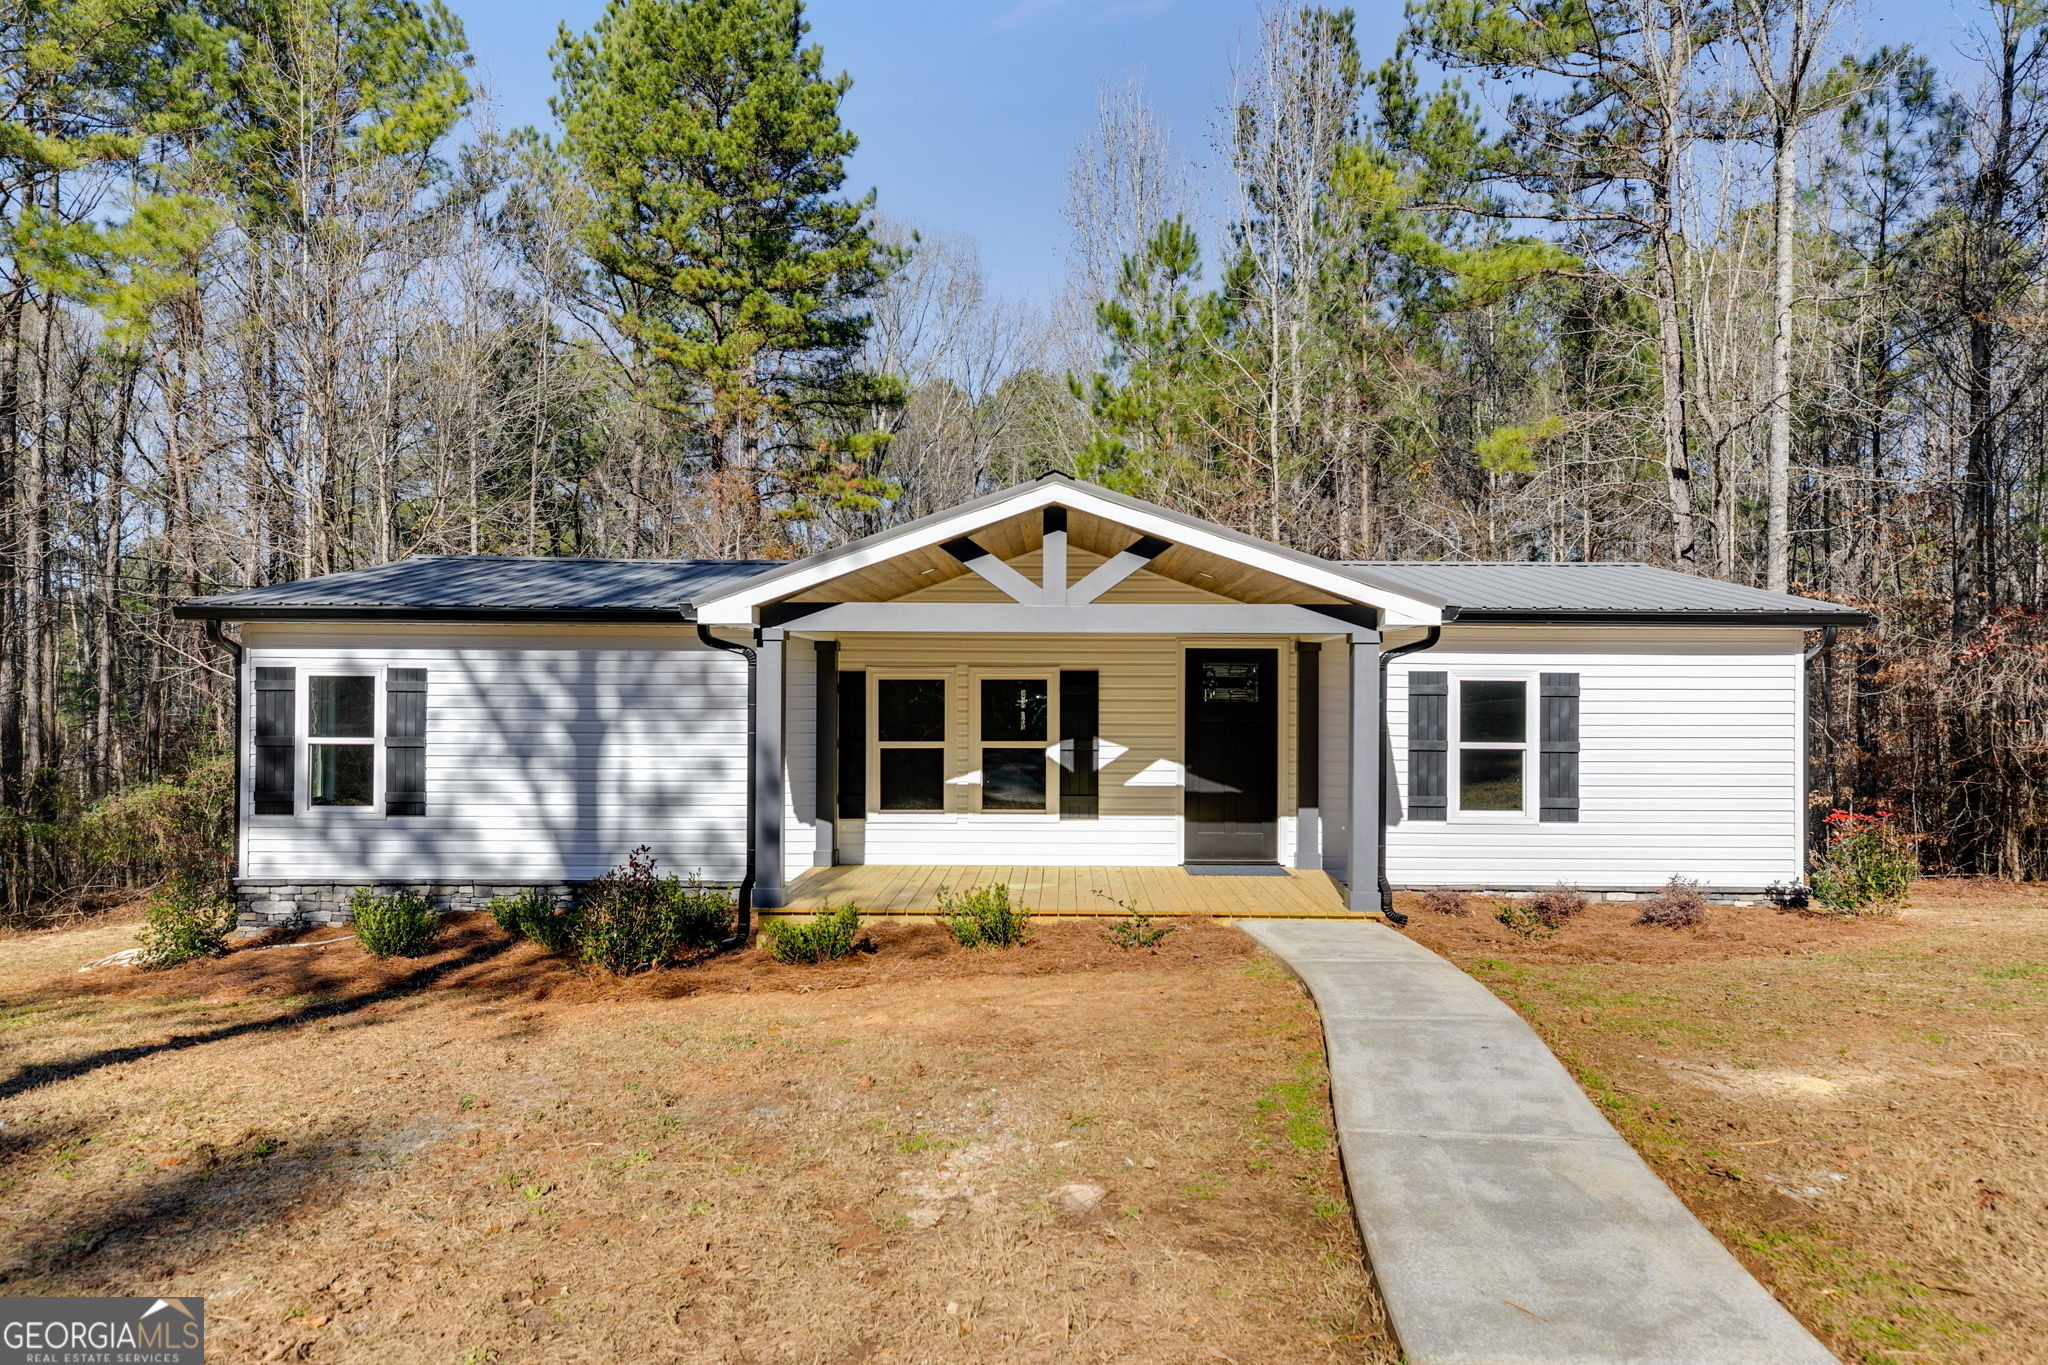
(481, 1156)
(1859, 1110)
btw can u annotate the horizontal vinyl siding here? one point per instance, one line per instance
(800, 758)
(1140, 710)
(1690, 762)
(550, 754)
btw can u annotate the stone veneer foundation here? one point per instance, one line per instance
(275, 903)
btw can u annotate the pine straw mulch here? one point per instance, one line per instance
(1859, 1109)
(484, 1155)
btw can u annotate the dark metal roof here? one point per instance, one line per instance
(489, 587)
(507, 587)
(1620, 593)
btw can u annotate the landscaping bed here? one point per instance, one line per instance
(1857, 1108)
(1065, 1151)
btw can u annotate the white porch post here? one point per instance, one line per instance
(1362, 890)
(770, 666)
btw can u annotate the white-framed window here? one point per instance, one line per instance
(1015, 722)
(909, 726)
(1492, 769)
(341, 740)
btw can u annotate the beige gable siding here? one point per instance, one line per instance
(1143, 588)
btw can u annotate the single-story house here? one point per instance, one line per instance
(1053, 676)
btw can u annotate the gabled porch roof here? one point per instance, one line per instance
(1007, 524)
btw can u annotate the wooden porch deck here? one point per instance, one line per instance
(1073, 891)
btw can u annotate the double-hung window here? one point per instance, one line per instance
(1492, 746)
(910, 744)
(342, 733)
(347, 740)
(1014, 742)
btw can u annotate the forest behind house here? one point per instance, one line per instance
(1704, 283)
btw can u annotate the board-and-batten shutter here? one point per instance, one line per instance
(1429, 701)
(1559, 741)
(405, 741)
(273, 784)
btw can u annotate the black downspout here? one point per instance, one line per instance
(234, 649)
(1386, 657)
(743, 917)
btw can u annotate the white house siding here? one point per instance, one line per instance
(800, 758)
(551, 754)
(1140, 821)
(1690, 762)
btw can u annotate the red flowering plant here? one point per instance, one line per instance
(1866, 865)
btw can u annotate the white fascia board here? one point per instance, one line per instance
(737, 606)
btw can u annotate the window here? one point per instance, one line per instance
(910, 739)
(1493, 746)
(1016, 725)
(341, 740)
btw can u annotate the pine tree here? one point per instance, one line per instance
(709, 141)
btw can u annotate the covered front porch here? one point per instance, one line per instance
(1284, 893)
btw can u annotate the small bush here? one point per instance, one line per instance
(1866, 865)
(1680, 905)
(982, 916)
(1135, 929)
(185, 920)
(829, 934)
(633, 918)
(401, 924)
(1556, 905)
(533, 914)
(1522, 918)
(1788, 895)
(1441, 902)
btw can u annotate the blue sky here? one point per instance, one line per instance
(967, 111)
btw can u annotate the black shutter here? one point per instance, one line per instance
(1429, 704)
(405, 741)
(1560, 748)
(274, 781)
(1080, 718)
(853, 745)
(1308, 725)
(827, 803)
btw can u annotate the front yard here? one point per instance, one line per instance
(1061, 1152)
(1860, 1111)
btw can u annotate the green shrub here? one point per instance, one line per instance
(828, 935)
(400, 924)
(1866, 866)
(1680, 905)
(982, 916)
(185, 920)
(634, 918)
(1522, 918)
(533, 914)
(1135, 929)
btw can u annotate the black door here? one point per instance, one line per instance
(1233, 756)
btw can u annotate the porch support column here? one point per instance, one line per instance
(770, 668)
(1362, 892)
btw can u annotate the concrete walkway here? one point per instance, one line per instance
(1506, 1221)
